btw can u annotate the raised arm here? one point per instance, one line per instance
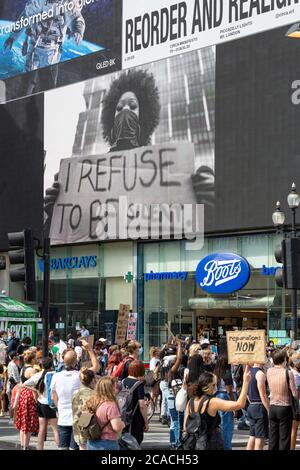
(175, 367)
(218, 404)
(95, 364)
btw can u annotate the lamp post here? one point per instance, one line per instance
(278, 218)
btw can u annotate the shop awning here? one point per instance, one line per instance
(10, 308)
(235, 302)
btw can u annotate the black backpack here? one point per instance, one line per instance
(125, 401)
(196, 429)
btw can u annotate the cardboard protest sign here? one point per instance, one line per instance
(99, 195)
(132, 324)
(122, 323)
(247, 346)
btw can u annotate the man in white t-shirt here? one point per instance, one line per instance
(63, 386)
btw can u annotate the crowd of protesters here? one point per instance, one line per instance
(109, 382)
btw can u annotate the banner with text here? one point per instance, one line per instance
(108, 196)
(122, 323)
(246, 347)
(132, 326)
(156, 32)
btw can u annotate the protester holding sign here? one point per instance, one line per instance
(209, 407)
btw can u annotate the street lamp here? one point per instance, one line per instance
(278, 218)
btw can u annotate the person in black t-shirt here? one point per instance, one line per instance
(136, 372)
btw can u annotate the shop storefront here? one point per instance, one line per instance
(87, 285)
(18, 317)
(169, 294)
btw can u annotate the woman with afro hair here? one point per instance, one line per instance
(131, 110)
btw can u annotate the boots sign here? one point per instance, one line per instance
(222, 273)
(247, 346)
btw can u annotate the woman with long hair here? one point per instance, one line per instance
(210, 406)
(113, 361)
(40, 382)
(26, 417)
(195, 368)
(136, 373)
(103, 403)
(79, 400)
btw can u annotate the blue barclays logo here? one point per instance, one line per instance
(75, 262)
(179, 275)
(268, 271)
(222, 273)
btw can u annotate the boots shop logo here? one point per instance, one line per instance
(222, 273)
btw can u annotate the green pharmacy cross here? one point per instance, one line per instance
(129, 276)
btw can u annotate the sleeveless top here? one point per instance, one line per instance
(212, 422)
(23, 378)
(253, 393)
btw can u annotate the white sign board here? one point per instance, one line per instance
(146, 175)
(154, 30)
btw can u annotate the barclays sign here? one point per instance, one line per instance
(222, 273)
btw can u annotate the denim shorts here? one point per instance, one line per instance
(103, 445)
(258, 420)
(66, 438)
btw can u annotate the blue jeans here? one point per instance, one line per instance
(66, 438)
(102, 445)
(177, 418)
(164, 397)
(227, 423)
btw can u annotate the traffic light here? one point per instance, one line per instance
(21, 252)
(289, 255)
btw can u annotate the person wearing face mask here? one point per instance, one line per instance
(131, 110)
(209, 406)
(280, 380)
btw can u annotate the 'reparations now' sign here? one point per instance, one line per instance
(154, 30)
(246, 346)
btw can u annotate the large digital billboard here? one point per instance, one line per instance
(49, 43)
(143, 136)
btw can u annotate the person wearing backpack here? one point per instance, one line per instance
(46, 410)
(80, 397)
(121, 371)
(134, 411)
(103, 404)
(202, 420)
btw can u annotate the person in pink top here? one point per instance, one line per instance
(280, 415)
(103, 402)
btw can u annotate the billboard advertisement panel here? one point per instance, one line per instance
(162, 30)
(146, 135)
(46, 44)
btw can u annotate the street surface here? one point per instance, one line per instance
(157, 438)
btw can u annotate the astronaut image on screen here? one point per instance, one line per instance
(44, 39)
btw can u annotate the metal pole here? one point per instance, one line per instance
(294, 307)
(46, 295)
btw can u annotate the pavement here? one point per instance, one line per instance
(156, 439)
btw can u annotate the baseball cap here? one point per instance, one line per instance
(205, 341)
(102, 340)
